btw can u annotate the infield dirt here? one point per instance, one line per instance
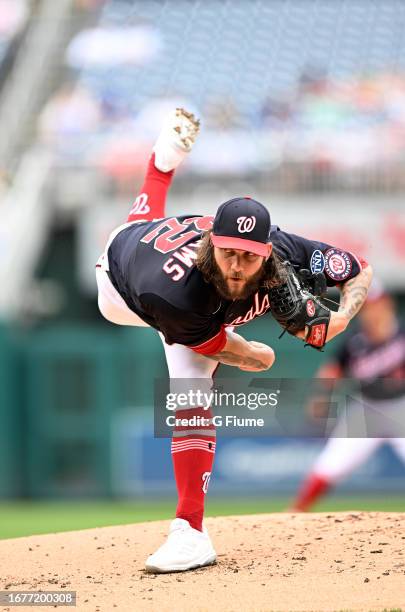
(278, 562)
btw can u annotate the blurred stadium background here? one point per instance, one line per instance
(303, 107)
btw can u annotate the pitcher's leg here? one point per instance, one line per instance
(111, 305)
(193, 448)
(175, 141)
(188, 544)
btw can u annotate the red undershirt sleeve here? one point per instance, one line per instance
(212, 346)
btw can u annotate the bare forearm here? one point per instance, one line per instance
(243, 354)
(235, 359)
(354, 293)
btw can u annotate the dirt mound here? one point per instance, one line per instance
(341, 561)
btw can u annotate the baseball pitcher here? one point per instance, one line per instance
(195, 279)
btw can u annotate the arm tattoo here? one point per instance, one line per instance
(354, 293)
(235, 359)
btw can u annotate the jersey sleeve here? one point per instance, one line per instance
(338, 265)
(202, 334)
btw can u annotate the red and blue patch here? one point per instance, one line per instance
(338, 264)
(317, 263)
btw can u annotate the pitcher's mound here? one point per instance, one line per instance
(277, 562)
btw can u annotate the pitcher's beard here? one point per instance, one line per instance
(249, 288)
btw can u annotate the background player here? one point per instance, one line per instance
(375, 355)
(194, 278)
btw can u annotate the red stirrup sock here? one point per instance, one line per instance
(151, 201)
(193, 457)
(312, 488)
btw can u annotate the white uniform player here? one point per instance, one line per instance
(375, 357)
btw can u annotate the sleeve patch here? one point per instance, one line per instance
(338, 264)
(317, 263)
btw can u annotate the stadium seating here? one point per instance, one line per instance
(316, 87)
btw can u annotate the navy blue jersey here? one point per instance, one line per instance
(152, 266)
(379, 367)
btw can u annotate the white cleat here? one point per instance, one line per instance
(185, 548)
(176, 140)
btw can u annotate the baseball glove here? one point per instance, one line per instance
(296, 309)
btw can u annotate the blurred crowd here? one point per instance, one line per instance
(13, 18)
(347, 125)
(281, 101)
(13, 15)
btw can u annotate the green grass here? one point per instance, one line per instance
(27, 518)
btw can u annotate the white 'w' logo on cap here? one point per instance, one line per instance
(245, 224)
